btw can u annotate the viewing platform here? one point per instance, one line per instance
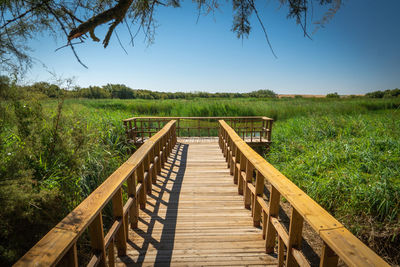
(256, 130)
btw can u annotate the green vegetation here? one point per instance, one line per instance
(344, 153)
(349, 164)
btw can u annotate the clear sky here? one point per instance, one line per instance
(358, 51)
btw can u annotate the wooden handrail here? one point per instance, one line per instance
(256, 128)
(200, 118)
(338, 241)
(58, 246)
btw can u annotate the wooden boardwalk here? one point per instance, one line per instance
(192, 214)
(195, 217)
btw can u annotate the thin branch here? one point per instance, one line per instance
(130, 32)
(262, 26)
(119, 41)
(68, 44)
(19, 17)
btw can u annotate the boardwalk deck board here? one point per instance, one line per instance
(194, 216)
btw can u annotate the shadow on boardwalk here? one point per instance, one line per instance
(166, 244)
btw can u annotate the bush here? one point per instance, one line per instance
(332, 95)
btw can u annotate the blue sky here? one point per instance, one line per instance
(356, 52)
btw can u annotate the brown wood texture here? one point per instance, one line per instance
(350, 249)
(195, 217)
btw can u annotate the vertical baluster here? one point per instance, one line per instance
(242, 168)
(126, 224)
(174, 135)
(328, 257)
(147, 181)
(111, 256)
(70, 258)
(225, 146)
(251, 131)
(235, 169)
(162, 151)
(231, 160)
(171, 141)
(159, 156)
(249, 178)
(258, 193)
(295, 230)
(118, 213)
(130, 134)
(134, 210)
(97, 238)
(264, 223)
(154, 169)
(280, 252)
(273, 211)
(134, 131)
(140, 179)
(229, 154)
(127, 130)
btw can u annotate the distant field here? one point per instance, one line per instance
(344, 153)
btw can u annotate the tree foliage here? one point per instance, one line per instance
(21, 20)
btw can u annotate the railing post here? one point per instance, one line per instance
(97, 238)
(295, 231)
(328, 257)
(133, 211)
(258, 193)
(118, 212)
(273, 211)
(249, 178)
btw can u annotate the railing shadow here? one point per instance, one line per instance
(165, 245)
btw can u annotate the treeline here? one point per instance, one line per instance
(119, 91)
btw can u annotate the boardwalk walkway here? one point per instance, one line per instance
(195, 216)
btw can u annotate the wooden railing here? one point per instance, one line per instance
(338, 242)
(138, 173)
(255, 129)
